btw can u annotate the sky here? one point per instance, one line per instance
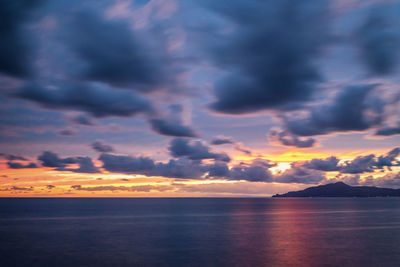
(197, 98)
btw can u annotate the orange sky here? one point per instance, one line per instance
(46, 182)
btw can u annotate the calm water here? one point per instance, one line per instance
(200, 232)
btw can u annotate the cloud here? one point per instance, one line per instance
(85, 166)
(172, 124)
(51, 159)
(388, 160)
(256, 171)
(17, 165)
(67, 132)
(180, 147)
(101, 147)
(18, 117)
(136, 188)
(13, 157)
(355, 108)
(379, 40)
(95, 98)
(269, 54)
(287, 139)
(238, 188)
(218, 169)
(299, 174)
(126, 164)
(116, 55)
(15, 45)
(358, 165)
(221, 140)
(390, 180)
(19, 188)
(82, 120)
(328, 164)
(241, 148)
(181, 168)
(388, 131)
(171, 128)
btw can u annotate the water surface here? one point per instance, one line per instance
(200, 232)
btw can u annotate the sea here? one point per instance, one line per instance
(200, 232)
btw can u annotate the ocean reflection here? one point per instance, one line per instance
(200, 232)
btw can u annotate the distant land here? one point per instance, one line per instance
(341, 189)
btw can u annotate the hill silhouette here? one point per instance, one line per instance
(341, 189)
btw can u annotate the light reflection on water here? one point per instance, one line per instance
(200, 232)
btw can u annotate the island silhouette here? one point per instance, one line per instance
(341, 189)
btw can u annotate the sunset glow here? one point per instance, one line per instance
(197, 98)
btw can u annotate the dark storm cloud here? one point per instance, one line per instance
(82, 120)
(101, 147)
(51, 159)
(354, 109)
(379, 39)
(17, 165)
(15, 44)
(113, 54)
(180, 147)
(95, 98)
(287, 139)
(270, 54)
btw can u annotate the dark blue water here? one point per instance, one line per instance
(200, 232)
